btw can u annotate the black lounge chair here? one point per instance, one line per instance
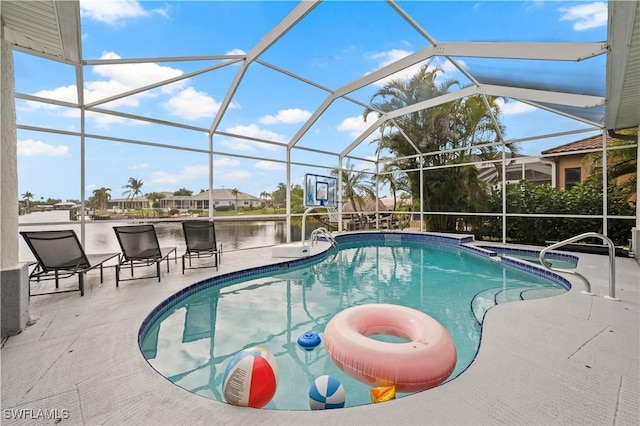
(200, 238)
(140, 248)
(59, 255)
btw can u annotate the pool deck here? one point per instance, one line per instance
(569, 359)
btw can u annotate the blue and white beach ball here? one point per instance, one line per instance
(251, 378)
(326, 392)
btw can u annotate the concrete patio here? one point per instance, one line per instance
(569, 359)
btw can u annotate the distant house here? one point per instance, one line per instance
(129, 203)
(572, 165)
(222, 197)
(65, 205)
(517, 168)
(177, 202)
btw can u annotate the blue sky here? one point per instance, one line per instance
(337, 43)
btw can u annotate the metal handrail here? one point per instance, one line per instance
(612, 262)
(325, 232)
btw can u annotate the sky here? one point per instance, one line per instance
(337, 43)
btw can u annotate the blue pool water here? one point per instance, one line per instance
(191, 340)
(554, 259)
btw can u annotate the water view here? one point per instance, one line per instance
(100, 238)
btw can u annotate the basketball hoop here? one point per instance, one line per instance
(332, 211)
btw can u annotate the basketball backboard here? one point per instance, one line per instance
(320, 191)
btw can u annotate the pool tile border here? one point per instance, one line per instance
(523, 265)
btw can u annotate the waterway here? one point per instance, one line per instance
(100, 237)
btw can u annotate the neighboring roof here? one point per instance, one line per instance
(178, 197)
(225, 194)
(370, 206)
(134, 199)
(593, 142)
(388, 202)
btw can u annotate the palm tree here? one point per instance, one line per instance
(393, 176)
(266, 196)
(279, 196)
(133, 188)
(27, 196)
(459, 124)
(235, 192)
(356, 187)
(101, 197)
(155, 197)
(183, 191)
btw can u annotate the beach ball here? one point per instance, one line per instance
(309, 340)
(326, 392)
(251, 378)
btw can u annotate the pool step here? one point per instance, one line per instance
(487, 299)
(508, 295)
(483, 301)
(538, 293)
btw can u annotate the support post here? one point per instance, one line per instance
(13, 276)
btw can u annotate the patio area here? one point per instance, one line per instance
(569, 359)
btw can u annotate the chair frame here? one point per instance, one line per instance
(45, 272)
(132, 261)
(213, 250)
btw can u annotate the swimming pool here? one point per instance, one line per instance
(554, 259)
(192, 336)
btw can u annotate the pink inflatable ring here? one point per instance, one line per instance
(425, 361)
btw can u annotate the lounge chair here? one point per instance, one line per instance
(140, 248)
(200, 238)
(59, 255)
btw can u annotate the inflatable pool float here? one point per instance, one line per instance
(424, 361)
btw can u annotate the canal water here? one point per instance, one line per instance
(100, 237)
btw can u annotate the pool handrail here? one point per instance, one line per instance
(612, 262)
(326, 234)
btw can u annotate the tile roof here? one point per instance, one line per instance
(592, 142)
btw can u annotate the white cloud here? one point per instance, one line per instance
(31, 148)
(256, 132)
(120, 78)
(225, 162)
(125, 77)
(356, 125)
(139, 166)
(62, 93)
(163, 178)
(252, 131)
(237, 175)
(585, 16)
(187, 174)
(269, 165)
(287, 116)
(391, 56)
(191, 104)
(115, 12)
(235, 52)
(514, 107)
(196, 171)
(103, 121)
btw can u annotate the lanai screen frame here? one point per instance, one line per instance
(538, 98)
